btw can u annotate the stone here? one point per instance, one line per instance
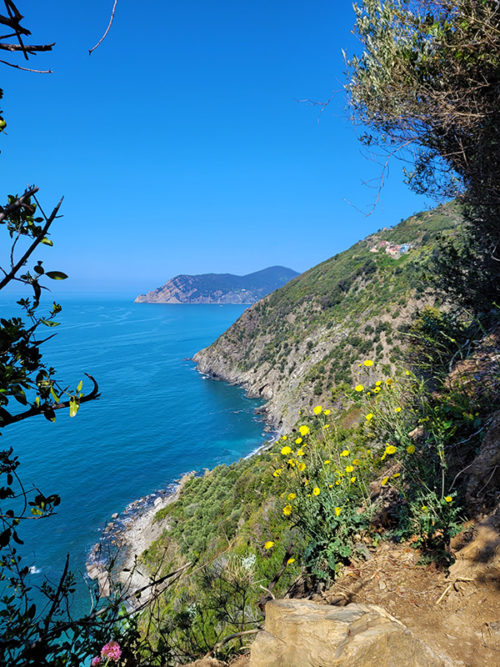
(479, 559)
(484, 473)
(301, 633)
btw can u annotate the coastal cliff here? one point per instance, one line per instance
(296, 345)
(220, 288)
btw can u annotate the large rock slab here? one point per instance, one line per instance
(300, 633)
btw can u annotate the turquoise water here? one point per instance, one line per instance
(156, 419)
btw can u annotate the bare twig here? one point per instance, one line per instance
(229, 637)
(30, 48)
(27, 69)
(444, 593)
(107, 29)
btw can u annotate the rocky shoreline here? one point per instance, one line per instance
(114, 561)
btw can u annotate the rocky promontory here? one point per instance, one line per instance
(220, 288)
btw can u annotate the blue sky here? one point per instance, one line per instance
(182, 145)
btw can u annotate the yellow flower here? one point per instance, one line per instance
(292, 496)
(369, 416)
(327, 412)
(345, 453)
(358, 387)
(291, 463)
(356, 462)
(338, 510)
(326, 462)
(396, 474)
(397, 409)
(378, 383)
(300, 452)
(286, 450)
(384, 481)
(376, 390)
(318, 410)
(290, 561)
(301, 466)
(304, 430)
(368, 363)
(425, 508)
(410, 449)
(284, 437)
(277, 472)
(337, 483)
(390, 449)
(359, 365)
(287, 510)
(298, 441)
(353, 479)
(407, 372)
(269, 544)
(316, 491)
(389, 381)
(330, 486)
(326, 426)
(448, 499)
(349, 469)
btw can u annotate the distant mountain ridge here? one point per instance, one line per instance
(220, 287)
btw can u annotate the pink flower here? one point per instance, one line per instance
(112, 651)
(95, 661)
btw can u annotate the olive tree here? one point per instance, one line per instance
(426, 87)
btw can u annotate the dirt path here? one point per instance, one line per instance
(457, 613)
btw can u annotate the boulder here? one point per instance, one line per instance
(300, 633)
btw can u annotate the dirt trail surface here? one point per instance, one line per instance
(457, 613)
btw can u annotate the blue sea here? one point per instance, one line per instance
(157, 418)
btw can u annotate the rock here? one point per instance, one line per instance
(115, 515)
(300, 633)
(484, 473)
(104, 584)
(480, 557)
(417, 433)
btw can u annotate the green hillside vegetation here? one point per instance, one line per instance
(383, 465)
(379, 460)
(308, 337)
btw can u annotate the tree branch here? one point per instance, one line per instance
(6, 418)
(20, 201)
(36, 242)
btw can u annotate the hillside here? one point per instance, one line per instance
(297, 344)
(360, 491)
(220, 287)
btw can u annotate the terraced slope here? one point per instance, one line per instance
(305, 340)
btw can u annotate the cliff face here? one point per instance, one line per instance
(306, 339)
(220, 287)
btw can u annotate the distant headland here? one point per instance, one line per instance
(220, 287)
